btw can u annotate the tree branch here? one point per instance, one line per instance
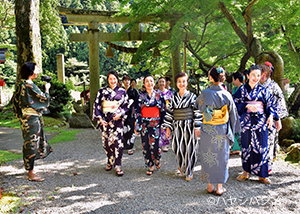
(188, 45)
(233, 23)
(244, 60)
(248, 18)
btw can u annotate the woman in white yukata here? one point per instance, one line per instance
(180, 119)
(218, 124)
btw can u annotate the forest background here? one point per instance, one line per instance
(275, 24)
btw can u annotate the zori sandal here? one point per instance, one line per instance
(242, 178)
(108, 167)
(264, 180)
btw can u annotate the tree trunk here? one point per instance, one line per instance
(277, 62)
(28, 34)
(293, 98)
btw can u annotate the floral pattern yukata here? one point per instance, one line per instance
(112, 134)
(29, 105)
(167, 95)
(254, 133)
(150, 126)
(282, 112)
(215, 140)
(185, 143)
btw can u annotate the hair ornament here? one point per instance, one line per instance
(220, 70)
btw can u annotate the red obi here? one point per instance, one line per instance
(150, 112)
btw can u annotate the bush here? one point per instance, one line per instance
(296, 130)
(60, 95)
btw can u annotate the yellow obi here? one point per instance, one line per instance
(215, 116)
(110, 106)
(30, 111)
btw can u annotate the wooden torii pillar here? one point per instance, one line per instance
(92, 18)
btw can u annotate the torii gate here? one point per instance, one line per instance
(92, 18)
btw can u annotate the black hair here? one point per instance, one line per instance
(126, 77)
(113, 73)
(149, 75)
(132, 80)
(27, 69)
(253, 67)
(168, 79)
(214, 73)
(181, 74)
(239, 76)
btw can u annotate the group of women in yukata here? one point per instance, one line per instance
(214, 116)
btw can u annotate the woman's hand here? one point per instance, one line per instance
(47, 87)
(278, 125)
(168, 133)
(103, 122)
(117, 116)
(197, 133)
(270, 121)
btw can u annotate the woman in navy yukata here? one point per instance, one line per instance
(111, 105)
(29, 105)
(256, 108)
(150, 112)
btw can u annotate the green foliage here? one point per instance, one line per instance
(60, 94)
(7, 19)
(296, 130)
(64, 135)
(6, 156)
(7, 118)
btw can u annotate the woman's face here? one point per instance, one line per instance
(254, 77)
(162, 84)
(182, 83)
(126, 83)
(149, 83)
(133, 84)
(263, 77)
(112, 81)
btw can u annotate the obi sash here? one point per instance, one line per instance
(215, 116)
(258, 104)
(30, 111)
(150, 112)
(110, 106)
(183, 113)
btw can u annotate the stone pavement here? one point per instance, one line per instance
(76, 182)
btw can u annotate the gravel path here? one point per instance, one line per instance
(76, 182)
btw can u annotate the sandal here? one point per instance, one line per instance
(119, 172)
(212, 192)
(149, 171)
(189, 177)
(165, 149)
(108, 167)
(157, 164)
(264, 180)
(242, 178)
(130, 152)
(36, 178)
(220, 194)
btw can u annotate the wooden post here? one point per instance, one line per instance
(176, 64)
(60, 68)
(94, 62)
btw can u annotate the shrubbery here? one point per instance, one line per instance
(60, 95)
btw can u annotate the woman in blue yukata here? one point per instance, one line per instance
(30, 103)
(257, 109)
(150, 112)
(218, 124)
(111, 105)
